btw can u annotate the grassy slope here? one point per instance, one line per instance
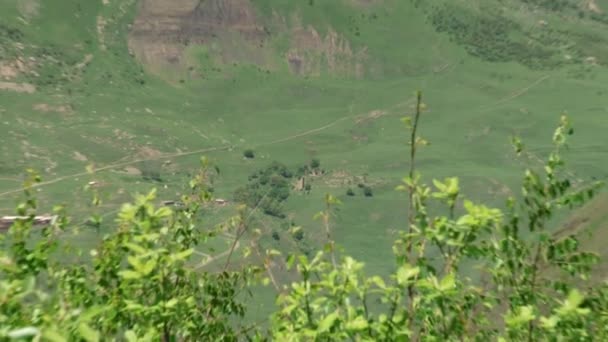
(474, 107)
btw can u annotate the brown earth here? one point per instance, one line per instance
(18, 87)
(164, 30)
(46, 108)
(592, 6)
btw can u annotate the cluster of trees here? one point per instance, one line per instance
(366, 190)
(142, 282)
(267, 189)
(312, 168)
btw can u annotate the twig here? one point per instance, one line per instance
(412, 208)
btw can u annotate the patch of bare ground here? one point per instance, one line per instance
(342, 178)
(11, 69)
(79, 156)
(8, 70)
(29, 9)
(133, 171)
(47, 108)
(373, 115)
(18, 87)
(33, 152)
(101, 26)
(313, 54)
(164, 29)
(592, 6)
(147, 152)
(87, 59)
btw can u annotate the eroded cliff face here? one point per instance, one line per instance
(234, 32)
(163, 29)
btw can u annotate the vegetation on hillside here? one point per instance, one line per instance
(267, 189)
(143, 283)
(245, 80)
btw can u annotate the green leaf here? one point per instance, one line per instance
(440, 186)
(171, 303)
(53, 336)
(135, 248)
(327, 322)
(129, 274)
(572, 303)
(401, 188)
(163, 212)
(405, 273)
(303, 260)
(182, 255)
(272, 252)
(91, 312)
(358, 323)
(290, 260)
(87, 333)
(23, 332)
(524, 314)
(148, 267)
(130, 336)
(448, 282)
(378, 281)
(549, 323)
(135, 262)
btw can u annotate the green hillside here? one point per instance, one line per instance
(293, 100)
(141, 90)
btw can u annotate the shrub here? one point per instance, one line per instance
(350, 192)
(249, 154)
(151, 170)
(367, 191)
(298, 235)
(315, 163)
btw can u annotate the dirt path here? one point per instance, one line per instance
(113, 166)
(516, 94)
(217, 257)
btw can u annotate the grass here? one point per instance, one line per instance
(119, 116)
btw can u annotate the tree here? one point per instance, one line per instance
(315, 163)
(249, 154)
(350, 192)
(368, 192)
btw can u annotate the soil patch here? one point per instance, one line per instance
(28, 8)
(79, 156)
(312, 54)
(46, 108)
(18, 87)
(133, 171)
(163, 29)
